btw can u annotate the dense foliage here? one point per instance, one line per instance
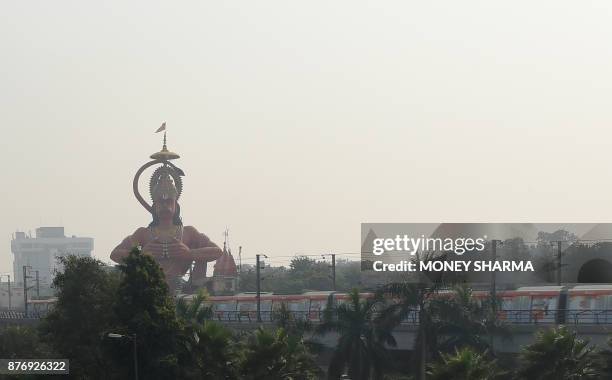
(179, 339)
(464, 364)
(86, 294)
(145, 310)
(558, 354)
(173, 340)
(302, 274)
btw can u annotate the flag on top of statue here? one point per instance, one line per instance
(162, 128)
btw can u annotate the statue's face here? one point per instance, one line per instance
(165, 209)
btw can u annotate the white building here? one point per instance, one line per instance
(40, 253)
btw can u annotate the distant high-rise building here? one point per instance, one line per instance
(40, 254)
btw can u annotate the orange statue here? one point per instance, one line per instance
(178, 249)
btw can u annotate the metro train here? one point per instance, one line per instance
(568, 304)
(305, 306)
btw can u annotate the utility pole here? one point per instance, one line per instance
(25, 290)
(258, 276)
(37, 286)
(494, 244)
(559, 273)
(333, 255)
(9, 286)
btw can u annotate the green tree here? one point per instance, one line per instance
(145, 308)
(275, 356)
(303, 274)
(514, 249)
(81, 316)
(210, 353)
(557, 354)
(206, 346)
(464, 364)
(285, 319)
(447, 320)
(348, 275)
(18, 342)
(195, 311)
(314, 275)
(463, 321)
(416, 302)
(545, 238)
(361, 350)
(411, 302)
(605, 357)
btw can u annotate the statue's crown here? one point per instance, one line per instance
(165, 184)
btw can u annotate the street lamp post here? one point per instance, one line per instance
(133, 339)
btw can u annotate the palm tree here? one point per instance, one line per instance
(285, 319)
(414, 301)
(446, 321)
(207, 346)
(302, 328)
(361, 344)
(463, 321)
(410, 301)
(194, 312)
(276, 355)
(464, 364)
(605, 357)
(558, 354)
(211, 353)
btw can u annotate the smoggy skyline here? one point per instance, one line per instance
(296, 122)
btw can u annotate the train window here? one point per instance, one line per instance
(507, 303)
(246, 306)
(225, 306)
(522, 303)
(298, 308)
(316, 306)
(605, 316)
(521, 310)
(582, 309)
(225, 310)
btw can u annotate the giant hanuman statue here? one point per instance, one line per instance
(177, 248)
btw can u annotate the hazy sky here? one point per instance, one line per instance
(297, 121)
